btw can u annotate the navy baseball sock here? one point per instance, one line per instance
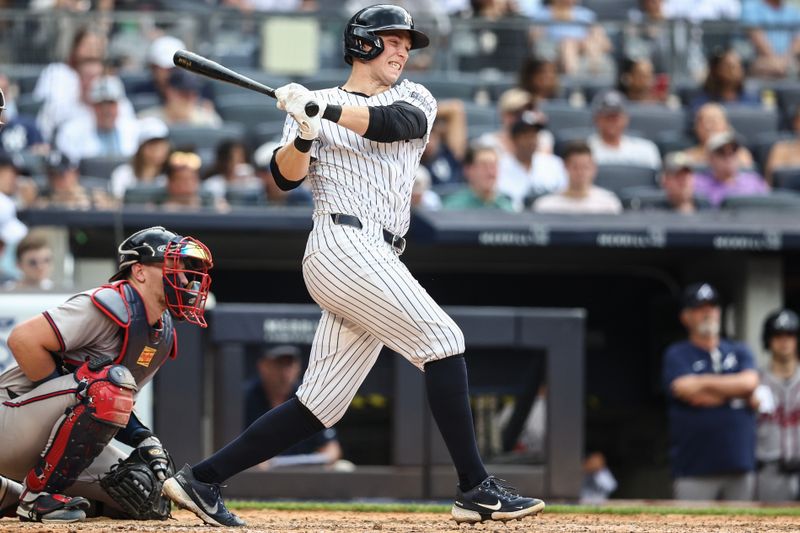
(448, 397)
(273, 432)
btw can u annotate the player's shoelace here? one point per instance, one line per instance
(501, 487)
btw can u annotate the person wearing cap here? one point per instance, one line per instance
(275, 195)
(725, 177)
(182, 103)
(580, 196)
(19, 131)
(778, 445)
(609, 143)
(525, 171)
(11, 232)
(279, 369)
(14, 180)
(511, 104)
(64, 188)
(709, 382)
(109, 133)
(147, 164)
(444, 154)
(710, 119)
(677, 182)
(481, 191)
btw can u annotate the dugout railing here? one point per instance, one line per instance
(420, 467)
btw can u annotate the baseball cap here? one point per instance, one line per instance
(152, 128)
(162, 49)
(677, 161)
(609, 102)
(529, 120)
(59, 162)
(719, 140)
(514, 100)
(698, 294)
(183, 81)
(11, 229)
(107, 89)
(284, 350)
(263, 155)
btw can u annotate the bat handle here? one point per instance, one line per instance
(312, 109)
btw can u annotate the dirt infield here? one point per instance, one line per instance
(342, 522)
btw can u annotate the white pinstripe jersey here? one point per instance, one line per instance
(353, 175)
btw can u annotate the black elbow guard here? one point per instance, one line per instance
(399, 121)
(282, 183)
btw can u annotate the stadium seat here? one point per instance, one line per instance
(133, 78)
(221, 89)
(786, 178)
(265, 132)
(481, 115)
(144, 101)
(567, 135)
(561, 115)
(611, 9)
(204, 140)
(649, 197)
(788, 98)
(100, 166)
(654, 120)
(762, 143)
(246, 196)
(669, 142)
(618, 177)
(250, 114)
(94, 182)
(27, 106)
(748, 121)
(144, 194)
(325, 79)
(778, 200)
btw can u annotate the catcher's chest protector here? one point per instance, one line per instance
(144, 348)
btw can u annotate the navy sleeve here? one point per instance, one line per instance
(134, 433)
(282, 183)
(746, 359)
(674, 367)
(398, 121)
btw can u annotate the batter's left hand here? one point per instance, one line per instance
(293, 99)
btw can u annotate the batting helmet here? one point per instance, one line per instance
(364, 26)
(182, 258)
(781, 321)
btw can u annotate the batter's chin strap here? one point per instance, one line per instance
(105, 401)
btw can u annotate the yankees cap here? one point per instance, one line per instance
(699, 294)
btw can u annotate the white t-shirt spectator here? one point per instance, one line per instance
(599, 202)
(697, 10)
(547, 174)
(79, 138)
(631, 151)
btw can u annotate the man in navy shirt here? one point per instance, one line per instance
(709, 382)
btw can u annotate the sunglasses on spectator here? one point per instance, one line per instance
(185, 159)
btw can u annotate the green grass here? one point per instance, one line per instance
(555, 509)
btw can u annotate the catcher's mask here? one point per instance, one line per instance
(185, 262)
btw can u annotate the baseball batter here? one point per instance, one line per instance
(778, 443)
(360, 163)
(73, 389)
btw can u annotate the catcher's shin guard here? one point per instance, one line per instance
(78, 437)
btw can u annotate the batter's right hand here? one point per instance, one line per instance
(293, 99)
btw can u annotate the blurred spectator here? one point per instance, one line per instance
(147, 165)
(539, 77)
(677, 181)
(230, 169)
(108, 134)
(510, 106)
(778, 400)
(481, 191)
(725, 177)
(638, 83)
(53, 113)
(581, 195)
(447, 143)
(583, 46)
(35, 261)
(422, 197)
(609, 144)
(525, 171)
(279, 371)
(20, 131)
(776, 48)
(786, 153)
(709, 382)
(709, 120)
(725, 81)
(648, 12)
(248, 6)
(498, 41)
(65, 190)
(183, 104)
(183, 185)
(11, 232)
(276, 196)
(699, 10)
(20, 189)
(159, 62)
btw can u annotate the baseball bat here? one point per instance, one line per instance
(211, 69)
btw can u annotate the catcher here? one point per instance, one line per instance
(79, 367)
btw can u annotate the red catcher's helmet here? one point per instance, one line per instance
(185, 264)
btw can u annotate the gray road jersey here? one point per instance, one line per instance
(779, 433)
(352, 175)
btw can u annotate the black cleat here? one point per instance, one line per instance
(203, 499)
(51, 508)
(493, 499)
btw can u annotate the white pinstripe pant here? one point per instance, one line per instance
(369, 299)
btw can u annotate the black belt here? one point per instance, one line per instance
(397, 242)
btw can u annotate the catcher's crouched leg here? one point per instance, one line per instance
(105, 395)
(135, 483)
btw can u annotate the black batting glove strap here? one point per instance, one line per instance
(332, 112)
(303, 145)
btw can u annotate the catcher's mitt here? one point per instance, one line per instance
(135, 483)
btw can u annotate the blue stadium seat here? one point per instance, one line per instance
(654, 120)
(264, 132)
(246, 196)
(27, 106)
(145, 193)
(271, 80)
(786, 178)
(100, 166)
(778, 200)
(611, 9)
(143, 101)
(618, 177)
(749, 121)
(204, 140)
(250, 114)
(762, 143)
(561, 115)
(481, 115)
